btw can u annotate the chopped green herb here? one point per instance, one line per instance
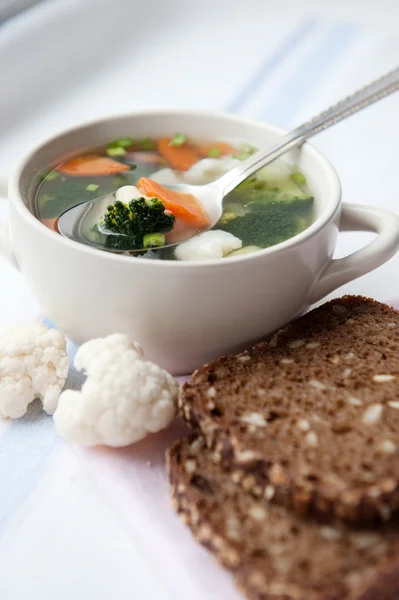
(123, 142)
(118, 151)
(44, 198)
(147, 144)
(298, 178)
(154, 240)
(178, 139)
(245, 152)
(50, 176)
(214, 153)
(92, 187)
(226, 217)
(120, 180)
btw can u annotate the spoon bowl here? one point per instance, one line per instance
(81, 224)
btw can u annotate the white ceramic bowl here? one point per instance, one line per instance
(186, 314)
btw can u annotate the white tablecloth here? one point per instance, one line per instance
(97, 525)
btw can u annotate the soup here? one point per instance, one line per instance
(266, 209)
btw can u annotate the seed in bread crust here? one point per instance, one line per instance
(350, 498)
(211, 392)
(330, 533)
(248, 482)
(277, 475)
(303, 425)
(196, 446)
(237, 476)
(383, 378)
(257, 491)
(388, 485)
(312, 439)
(354, 401)
(243, 358)
(313, 345)
(287, 361)
(372, 414)
(204, 533)
(254, 418)
(190, 466)
(258, 513)
(335, 360)
(246, 456)
(269, 492)
(218, 542)
(393, 404)
(257, 579)
(296, 344)
(317, 385)
(387, 447)
(374, 492)
(316, 419)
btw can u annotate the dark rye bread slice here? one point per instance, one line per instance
(274, 554)
(312, 417)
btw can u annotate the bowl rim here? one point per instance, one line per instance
(332, 183)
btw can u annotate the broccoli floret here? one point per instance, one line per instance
(130, 222)
(269, 223)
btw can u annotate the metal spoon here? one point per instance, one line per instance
(77, 221)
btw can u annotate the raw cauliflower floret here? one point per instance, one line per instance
(123, 398)
(208, 245)
(33, 364)
(126, 193)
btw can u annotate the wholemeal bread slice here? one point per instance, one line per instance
(275, 554)
(312, 417)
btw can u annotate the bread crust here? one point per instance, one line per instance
(203, 497)
(357, 326)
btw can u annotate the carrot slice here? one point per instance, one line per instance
(222, 149)
(179, 157)
(92, 165)
(51, 224)
(180, 205)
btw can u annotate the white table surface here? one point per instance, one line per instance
(96, 525)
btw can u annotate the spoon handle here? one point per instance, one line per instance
(367, 95)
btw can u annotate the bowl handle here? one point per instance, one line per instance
(356, 217)
(6, 249)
